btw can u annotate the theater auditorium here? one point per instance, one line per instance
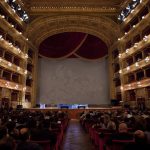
(74, 74)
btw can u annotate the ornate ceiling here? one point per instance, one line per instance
(73, 5)
(92, 21)
(47, 33)
(45, 26)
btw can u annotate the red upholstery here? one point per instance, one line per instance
(97, 131)
(91, 132)
(102, 140)
(96, 138)
(87, 126)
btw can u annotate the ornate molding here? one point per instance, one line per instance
(73, 5)
(43, 9)
(102, 27)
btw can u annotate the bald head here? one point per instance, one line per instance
(139, 134)
(23, 130)
(24, 134)
(123, 128)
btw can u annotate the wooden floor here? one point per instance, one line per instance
(76, 138)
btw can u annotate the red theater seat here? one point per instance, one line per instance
(119, 144)
(103, 139)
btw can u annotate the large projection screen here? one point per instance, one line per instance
(73, 81)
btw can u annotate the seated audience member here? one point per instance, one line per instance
(147, 131)
(132, 123)
(140, 137)
(12, 131)
(24, 144)
(106, 119)
(7, 143)
(140, 123)
(140, 142)
(111, 125)
(3, 132)
(40, 134)
(43, 133)
(24, 134)
(122, 134)
(123, 128)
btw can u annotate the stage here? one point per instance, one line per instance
(75, 113)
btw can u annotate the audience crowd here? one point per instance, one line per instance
(24, 129)
(130, 127)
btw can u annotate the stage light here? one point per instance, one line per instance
(9, 64)
(25, 72)
(127, 50)
(24, 89)
(26, 55)
(16, 87)
(120, 71)
(18, 68)
(3, 16)
(119, 55)
(137, 64)
(128, 68)
(147, 59)
(121, 88)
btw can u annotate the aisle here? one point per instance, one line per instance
(76, 138)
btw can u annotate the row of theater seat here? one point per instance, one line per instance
(100, 137)
(46, 144)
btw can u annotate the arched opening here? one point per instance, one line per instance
(101, 28)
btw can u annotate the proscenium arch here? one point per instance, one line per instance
(45, 26)
(102, 27)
